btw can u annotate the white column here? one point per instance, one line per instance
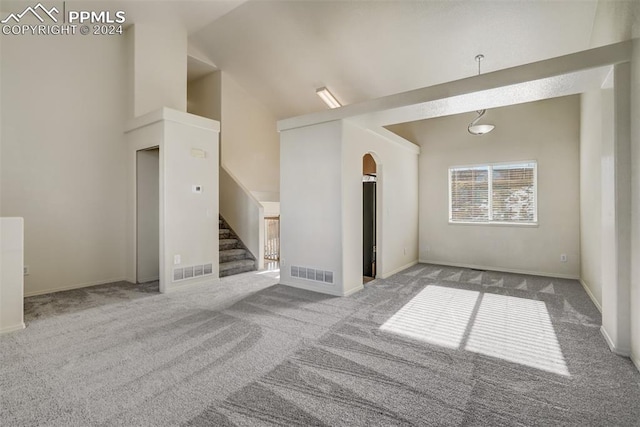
(635, 200)
(616, 219)
(188, 216)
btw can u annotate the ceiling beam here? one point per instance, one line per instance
(549, 78)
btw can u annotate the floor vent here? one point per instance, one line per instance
(312, 274)
(184, 273)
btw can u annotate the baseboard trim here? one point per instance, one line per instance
(636, 362)
(13, 328)
(149, 279)
(353, 291)
(208, 280)
(78, 286)
(593, 298)
(397, 270)
(501, 270)
(619, 351)
(312, 288)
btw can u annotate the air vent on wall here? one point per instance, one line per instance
(197, 270)
(208, 269)
(191, 272)
(312, 274)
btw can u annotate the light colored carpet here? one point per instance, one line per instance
(431, 345)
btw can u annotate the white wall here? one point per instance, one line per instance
(271, 208)
(250, 141)
(310, 204)
(203, 96)
(616, 217)
(159, 58)
(545, 131)
(396, 203)
(596, 124)
(188, 221)
(635, 196)
(250, 144)
(204, 99)
(11, 277)
(250, 153)
(148, 215)
(614, 22)
(62, 170)
(606, 239)
(321, 204)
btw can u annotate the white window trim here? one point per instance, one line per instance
(490, 166)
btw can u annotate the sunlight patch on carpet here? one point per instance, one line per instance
(517, 330)
(436, 315)
(513, 329)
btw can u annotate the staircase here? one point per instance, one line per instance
(234, 256)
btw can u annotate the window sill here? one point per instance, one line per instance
(498, 224)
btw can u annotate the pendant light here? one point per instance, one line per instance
(473, 128)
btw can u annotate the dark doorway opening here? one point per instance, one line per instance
(368, 218)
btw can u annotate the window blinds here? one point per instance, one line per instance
(513, 195)
(503, 193)
(470, 194)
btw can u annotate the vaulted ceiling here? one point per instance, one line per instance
(282, 51)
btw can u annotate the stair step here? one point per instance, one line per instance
(234, 258)
(228, 244)
(233, 255)
(236, 267)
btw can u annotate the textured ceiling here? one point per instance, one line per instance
(282, 51)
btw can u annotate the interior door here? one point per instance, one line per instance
(369, 228)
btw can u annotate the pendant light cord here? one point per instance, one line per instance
(479, 129)
(479, 58)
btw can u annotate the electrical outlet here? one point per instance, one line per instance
(25, 270)
(563, 257)
(405, 251)
(176, 259)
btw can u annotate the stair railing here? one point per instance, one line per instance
(272, 238)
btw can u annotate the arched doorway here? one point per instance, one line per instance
(369, 217)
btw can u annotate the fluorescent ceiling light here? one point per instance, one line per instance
(328, 97)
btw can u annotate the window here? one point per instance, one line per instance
(495, 193)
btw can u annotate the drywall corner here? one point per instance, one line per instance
(11, 274)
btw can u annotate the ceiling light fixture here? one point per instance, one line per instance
(473, 128)
(328, 97)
